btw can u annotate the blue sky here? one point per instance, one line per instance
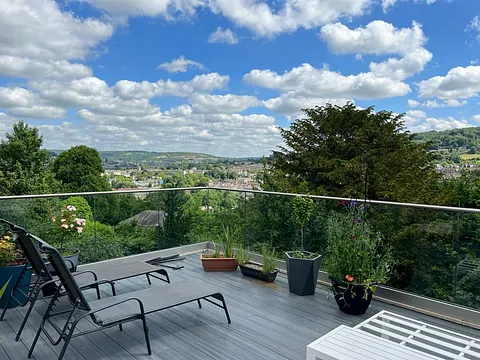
(219, 76)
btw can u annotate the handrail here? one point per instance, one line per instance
(319, 197)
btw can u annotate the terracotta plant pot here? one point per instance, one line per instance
(219, 264)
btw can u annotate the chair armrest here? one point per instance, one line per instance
(94, 311)
(95, 277)
(98, 283)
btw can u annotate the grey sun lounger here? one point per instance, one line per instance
(116, 310)
(87, 278)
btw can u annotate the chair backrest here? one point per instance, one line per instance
(30, 249)
(64, 274)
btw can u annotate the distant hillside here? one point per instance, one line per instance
(151, 159)
(465, 140)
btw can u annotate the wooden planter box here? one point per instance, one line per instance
(219, 264)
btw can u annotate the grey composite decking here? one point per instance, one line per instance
(267, 323)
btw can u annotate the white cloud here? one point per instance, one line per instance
(226, 36)
(417, 114)
(151, 8)
(38, 29)
(387, 4)
(38, 112)
(308, 81)
(221, 104)
(474, 62)
(413, 103)
(137, 90)
(377, 37)
(180, 65)
(459, 83)
(289, 104)
(443, 104)
(380, 38)
(23, 67)
(440, 124)
(173, 130)
(476, 118)
(474, 26)
(15, 97)
(26, 104)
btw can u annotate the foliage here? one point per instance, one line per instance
(136, 239)
(8, 252)
(242, 255)
(355, 253)
(24, 165)
(269, 259)
(98, 242)
(79, 169)
(176, 224)
(302, 210)
(66, 225)
(454, 139)
(228, 240)
(322, 154)
(82, 208)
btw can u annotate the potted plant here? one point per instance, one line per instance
(67, 226)
(222, 260)
(266, 272)
(302, 266)
(12, 266)
(356, 261)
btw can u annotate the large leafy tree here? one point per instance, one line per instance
(24, 165)
(79, 169)
(332, 149)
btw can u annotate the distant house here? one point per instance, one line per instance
(148, 218)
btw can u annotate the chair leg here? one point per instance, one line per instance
(222, 299)
(25, 318)
(120, 327)
(199, 303)
(30, 308)
(34, 341)
(147, 338)
(97, 288)
(148, 279)
(66, 342)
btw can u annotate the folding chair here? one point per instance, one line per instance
(116, 310)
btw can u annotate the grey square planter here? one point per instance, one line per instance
(302, 274)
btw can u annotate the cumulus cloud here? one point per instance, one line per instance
(413, 103)
(476, 118)
(419, 114)
(290, 104)
(221, 104)
(257, 16)
(308, 81)
(458, 83)
(38, 29)
(380, 38)
(180, 65)
(443, 104)
(226, 36)
(137, 90)
(439, 124)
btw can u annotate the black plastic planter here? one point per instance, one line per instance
(258, 274)
(302, 273)
(350, 298)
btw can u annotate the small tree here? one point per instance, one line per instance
(24, 165)
(302, 211)
(79, 169)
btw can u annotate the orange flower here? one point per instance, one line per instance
(349, 278)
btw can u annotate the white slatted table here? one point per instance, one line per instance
(414, 334)
(346, 343)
